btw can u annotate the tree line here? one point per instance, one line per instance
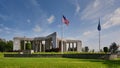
(6, 46)
(112, 48)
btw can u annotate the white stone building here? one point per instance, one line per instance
(41, 44)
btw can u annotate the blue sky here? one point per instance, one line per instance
(33, 18)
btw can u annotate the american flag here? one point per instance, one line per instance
(65, 20)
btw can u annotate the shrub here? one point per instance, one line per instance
(28, 46)
(105, 49)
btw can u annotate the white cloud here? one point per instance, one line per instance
(6, 28)
(87, 33)
(37, 28)
(28, 20)
(96, 3)
(77, 7)
(4, 17)
(76, 4)
(97, 9)
(8, 32)
(35, 2)
(112, 36)
(113, 19)
(1, 30)
(51, 19)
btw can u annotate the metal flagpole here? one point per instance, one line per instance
(66, 22)
(99, 29)
(62, 38)
(99, 40)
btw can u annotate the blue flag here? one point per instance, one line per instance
(99, 26)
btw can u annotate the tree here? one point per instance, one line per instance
(113, 47)
(86, 49)
(9, 46)
(105, 49)
(28, 46)
(2, 46)
(6, 45)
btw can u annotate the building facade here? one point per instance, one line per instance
(41, 44)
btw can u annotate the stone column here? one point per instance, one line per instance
(44, 48)
(24, 45)
(33, 44)
(40, 46)
(73, 46)
(37, 45)
(64, 46)
(69, 46)
(79, 44)
(47, 44)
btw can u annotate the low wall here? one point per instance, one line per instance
(85, 56)
(33, 55)
(81, 56)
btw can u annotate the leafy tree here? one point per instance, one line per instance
(2, 46)
(28, 46)
(9, 46)
(86, 49)
(113, 47)
(6, 45)
(105, 49)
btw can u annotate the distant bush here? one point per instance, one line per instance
(113, 47)
(105, 49)
(28, 46)
(86, 49)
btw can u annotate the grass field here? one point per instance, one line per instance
(56, 63)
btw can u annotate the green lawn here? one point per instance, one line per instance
(56, 63)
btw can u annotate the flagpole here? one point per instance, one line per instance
(65, 21)
(62, 38)
(99, 29)
(99, 40)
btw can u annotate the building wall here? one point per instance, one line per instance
(79, 46)
(51, 41)
(16, 44)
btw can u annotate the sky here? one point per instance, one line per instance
(36, 18)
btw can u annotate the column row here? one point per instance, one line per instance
(69, 46)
